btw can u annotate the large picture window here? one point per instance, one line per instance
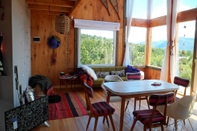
(96, 45)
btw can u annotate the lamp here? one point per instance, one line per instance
(62, 24)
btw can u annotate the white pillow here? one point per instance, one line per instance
(89, 71)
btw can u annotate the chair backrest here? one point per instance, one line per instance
(182, 108)
(133, 76)
(161, 99)
(88, 93)
(88, 90)
(112, 78)
(181, 81)
(156, 100)
(109, 78)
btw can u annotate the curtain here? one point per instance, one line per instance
(100, 25)
(169, 66)
(129, 12)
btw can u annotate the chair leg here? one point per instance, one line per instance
(146, 128)
(107, 121)
(105, 117)
(139, 103)
(175, 124)
(162, 127)
(184, 122)
(112, 122)
(147, 102)
(88, 122)
(135, 104)
(190, 124)
(168, 118)
(95, 124)
(127, 105)
(133, 125)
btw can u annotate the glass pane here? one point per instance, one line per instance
(187, 4)
(159, 8)
(159, 42)
(140, 9)
(96, 47)
(186, 47)
(137, 40)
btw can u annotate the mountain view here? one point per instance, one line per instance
(184, 44)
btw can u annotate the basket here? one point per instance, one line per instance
(62, 24)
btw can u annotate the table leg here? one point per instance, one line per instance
(122, 113)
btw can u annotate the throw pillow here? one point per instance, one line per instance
(133, 76)
(89, 71)
(98, 74)
(119, 73)
(103, 74)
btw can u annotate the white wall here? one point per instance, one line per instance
(21, 44)
(16, 51)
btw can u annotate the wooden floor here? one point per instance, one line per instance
(79, 123)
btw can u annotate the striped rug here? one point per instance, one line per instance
(71, 105)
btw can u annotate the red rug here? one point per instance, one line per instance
(71, 105)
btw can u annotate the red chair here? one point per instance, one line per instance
(152, 117)
(137, 76)
(97, 109)
(181, 82)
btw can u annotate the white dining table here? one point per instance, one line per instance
(136, 88)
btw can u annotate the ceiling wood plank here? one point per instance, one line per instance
(60, 3)
(49, 8)
(60, 9)
(55, 13)
(38, 7)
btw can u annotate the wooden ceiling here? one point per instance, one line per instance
(54, 6)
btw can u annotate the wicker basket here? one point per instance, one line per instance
(62, 24)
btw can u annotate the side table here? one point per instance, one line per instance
(68, 78)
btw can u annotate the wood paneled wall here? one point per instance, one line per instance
(43, 25)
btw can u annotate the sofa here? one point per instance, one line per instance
(101, 72)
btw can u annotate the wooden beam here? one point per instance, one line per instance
(38, 7)
(139, 22)
(49, 8)
(77, 5)
(183, 16)
(158, 21)
(187, 15)
(60, 3)
(148, 45)
(47, 12)
(60, 9)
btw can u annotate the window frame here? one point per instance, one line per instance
(96, 25)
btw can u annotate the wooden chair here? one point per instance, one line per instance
(113, 97)
(181, 82)
(137, 76)
(98, 109)
(152, 117)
